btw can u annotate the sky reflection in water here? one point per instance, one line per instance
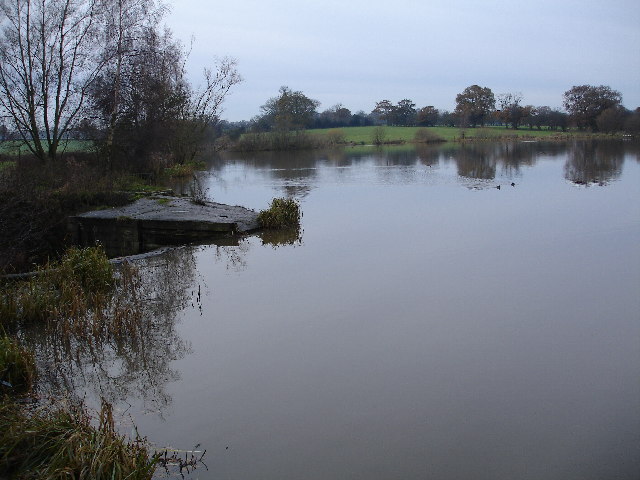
(428, 324)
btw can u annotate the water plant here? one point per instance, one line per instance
(283, 213)
(63, 442)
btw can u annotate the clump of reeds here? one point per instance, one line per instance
(283, 213)
(80, 280)
(89, 267)
(63, 443)
(17, 367)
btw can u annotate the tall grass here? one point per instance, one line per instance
(17, 367)
(61, 290)
(78, 301)
(81, 303)
(64, 443)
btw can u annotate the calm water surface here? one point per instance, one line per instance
(426, 325)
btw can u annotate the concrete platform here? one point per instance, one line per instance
(154, 222)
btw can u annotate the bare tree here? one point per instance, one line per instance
(204, 107)
(510, 109)
(125, 22)
(48, 61)
(143, 99)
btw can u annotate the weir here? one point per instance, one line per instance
(154, 222)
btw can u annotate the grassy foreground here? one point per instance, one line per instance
(65, 443)
(365, 135)
(74, 300)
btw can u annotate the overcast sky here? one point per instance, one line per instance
(357, 52)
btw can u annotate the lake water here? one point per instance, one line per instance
(426, 324)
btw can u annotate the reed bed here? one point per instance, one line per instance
(83, 306)
(80, 296)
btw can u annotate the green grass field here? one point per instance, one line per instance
(11, 147)
(364, 135)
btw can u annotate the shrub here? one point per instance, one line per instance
(282, 141)
(63, 443)
(335, 137)
(36, 199)
(17, 367)
(424, 135)
(484, 133)
(283, 213)
(181, 170)
(379, 135)
(250, 142)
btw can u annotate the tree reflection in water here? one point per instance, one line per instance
(129, 362)
(477, 163)
(594, 163)
(428, 155)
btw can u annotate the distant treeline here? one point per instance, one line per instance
(596, 109)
